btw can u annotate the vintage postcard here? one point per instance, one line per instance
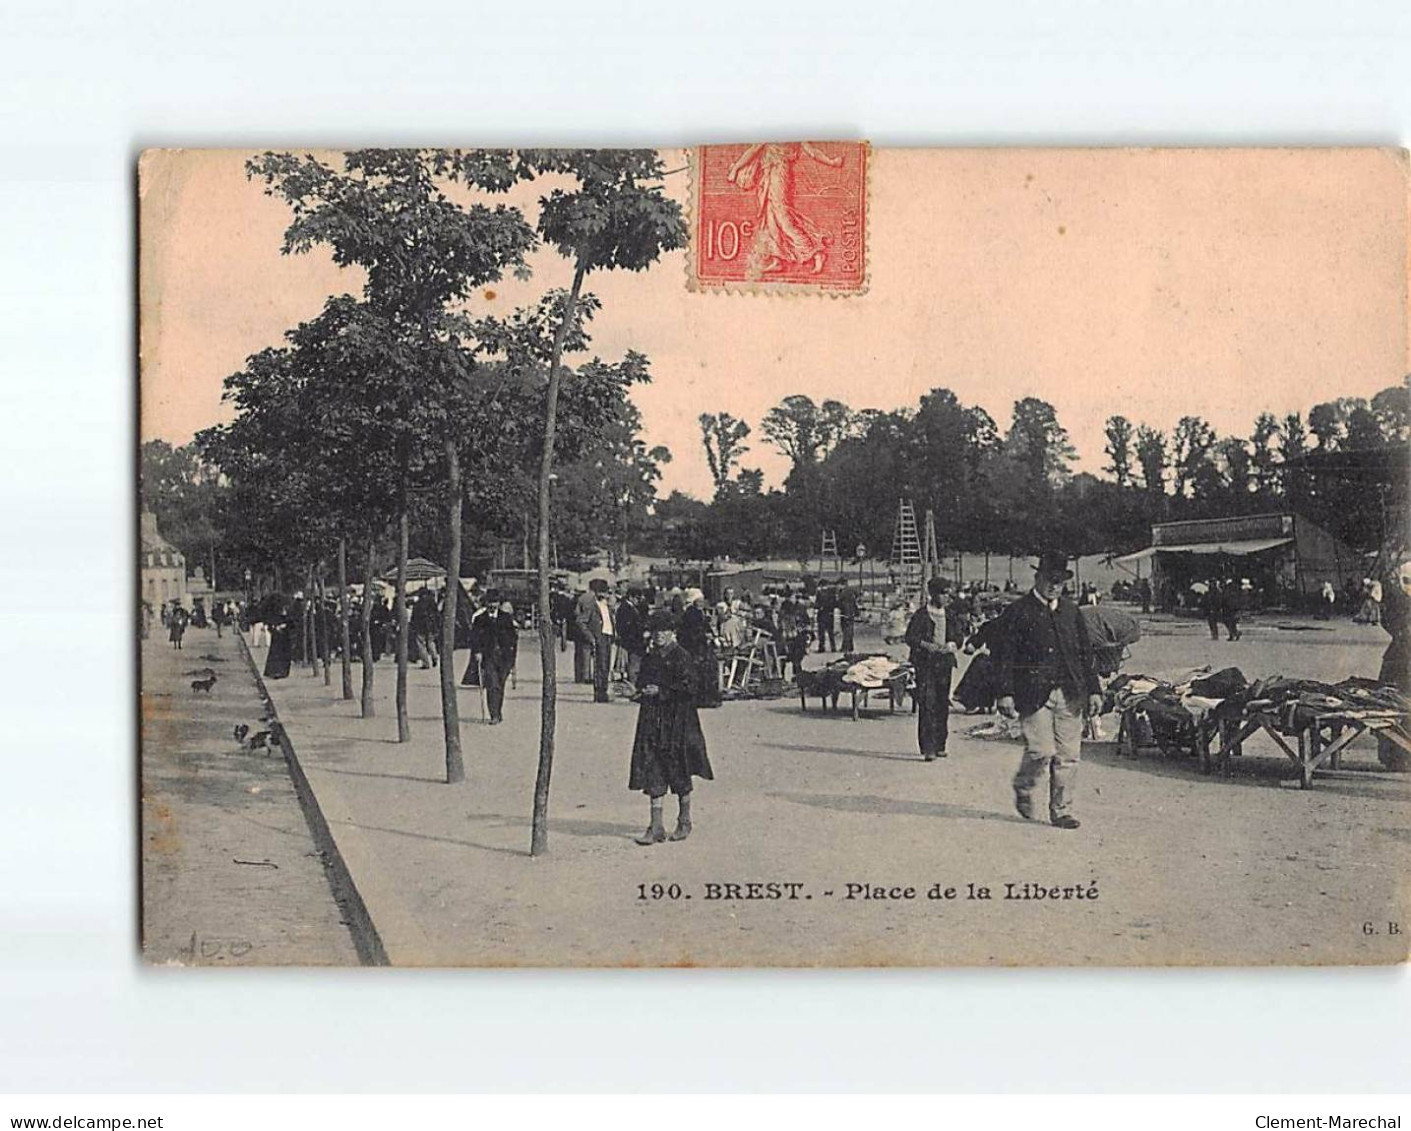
(795, 553)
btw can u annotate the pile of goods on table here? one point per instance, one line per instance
(858, 674)
(1171, 712)
(1186, 714)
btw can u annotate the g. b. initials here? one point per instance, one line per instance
(722, 240)
(1370, 928)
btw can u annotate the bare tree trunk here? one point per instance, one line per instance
(315, 625)
(306, 622)
(325, 644)
(548, 654)
(450, 709)
(399, 606)
(369, 595)
(343, 614)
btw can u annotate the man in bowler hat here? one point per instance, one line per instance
(1045, 675)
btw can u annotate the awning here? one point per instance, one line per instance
(1249, 546)
(418, 569)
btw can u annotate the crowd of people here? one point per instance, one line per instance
(1038, 659)
(176, 617)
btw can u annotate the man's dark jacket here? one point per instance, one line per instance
(496, 637)
(631, 628)
(1039, 650)
(922, 629)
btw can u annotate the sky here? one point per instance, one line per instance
(1151, 283)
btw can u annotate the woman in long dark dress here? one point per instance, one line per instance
(178, 626)
(697, 636)
(281, 644)
(669, 748)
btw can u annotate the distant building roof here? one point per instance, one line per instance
(1230, 528)
(152, 539)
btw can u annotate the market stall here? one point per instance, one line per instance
(1321, 721)
(1212, 715)
(860, 677)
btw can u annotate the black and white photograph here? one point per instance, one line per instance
(797, 553)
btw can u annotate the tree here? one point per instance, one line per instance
(1120, 437)
(1039, 443)
(1235, 473)
(1364, 429)
(1037, 454)
(724, 440)
(184, 492)
(608, 475)
(1191, 443)
(1152, 457)
(807, 432)
(1294, 436)
(750, 482)
(1265, 454)
(1392, 407)
(1326, 421)
(943, 439)
(616, 216)
(391, 213)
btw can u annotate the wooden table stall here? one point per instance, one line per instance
(1319, 738)
(1195, 740)
(830, 685)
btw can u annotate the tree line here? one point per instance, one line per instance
(1013, 489)
(408, 408)
(405, 418)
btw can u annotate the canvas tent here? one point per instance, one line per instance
(1284, 557)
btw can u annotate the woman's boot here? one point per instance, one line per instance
(683, 818)
(656, 831)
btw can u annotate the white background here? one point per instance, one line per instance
(83, 87)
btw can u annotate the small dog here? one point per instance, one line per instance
(263, 740)
(204, 684)
(240, 732)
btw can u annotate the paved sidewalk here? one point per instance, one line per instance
(1191, 869)
(231, 875)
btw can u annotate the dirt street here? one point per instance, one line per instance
(1169, 867)
(231, 875)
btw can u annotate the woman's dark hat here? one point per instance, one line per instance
(1053, 564)
(937, 586)
(662, 620)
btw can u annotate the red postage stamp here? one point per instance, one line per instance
(784, 217)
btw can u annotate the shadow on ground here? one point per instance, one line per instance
(891, 806)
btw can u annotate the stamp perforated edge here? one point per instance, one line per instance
(777, 289)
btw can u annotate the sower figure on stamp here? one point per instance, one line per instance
(669, 748)
(934, 639)
(1045, 675)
